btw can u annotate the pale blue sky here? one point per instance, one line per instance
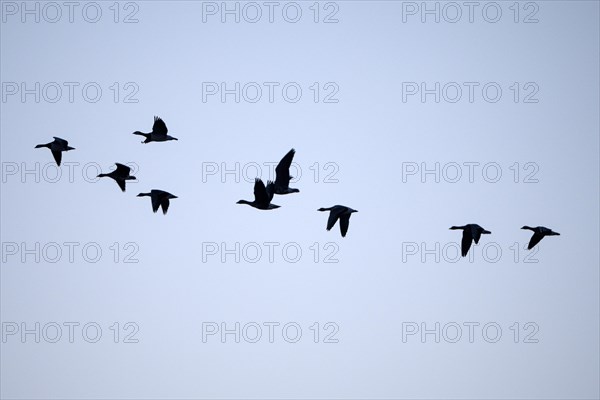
(368, 134)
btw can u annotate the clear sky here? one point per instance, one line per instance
(513, 140)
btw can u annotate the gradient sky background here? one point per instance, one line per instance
(368, 134)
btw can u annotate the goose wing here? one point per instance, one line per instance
(334, 214)
(155, 201)
(61, 142)
(466, 242)
(270, 190)
(164, 203)
(122, 170)
(535, 239)
(344, 223)
(159, 126)
(57, 156)
(476, 236)
(121, 184)
(282, 171)
(260, 192)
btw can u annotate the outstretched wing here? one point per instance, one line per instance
(282, 171)
(122, 170)
(535, 239)
(164, 203)
(155, 202)
(466, 242)
(159, 126)
(260, 192)
(476, 235)
(344, 223)
(333, 217)
(60, 141)
(57, 156)
(121, 184)
(270, 190)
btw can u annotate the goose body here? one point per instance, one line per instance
(471, 232)
(57, 147)
(539, 232)
(282, 177)
(262, 196)
(159, 198)
(158, 134)
(342, 213)
(120, 175)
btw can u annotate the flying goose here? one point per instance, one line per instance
(159, 198)
(342, 213)
(470, 232)
(120, 175)
(57, 147)
(538, 234)
(158, 134)
(262, 196)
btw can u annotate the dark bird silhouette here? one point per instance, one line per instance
(120, 175)
(262, 196)
(342, 213)
(471, 232)
(282, 177)
(538, 234)
(158, 134)
(57, 147)
(159, 198)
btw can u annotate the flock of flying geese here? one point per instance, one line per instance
(263, 195)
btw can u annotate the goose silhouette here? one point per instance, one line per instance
(262, 196)
(158, 134)
(159, 198)
(539, 232)
(471, 232)
(57, 147)
(120, 175)
(342, 213)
